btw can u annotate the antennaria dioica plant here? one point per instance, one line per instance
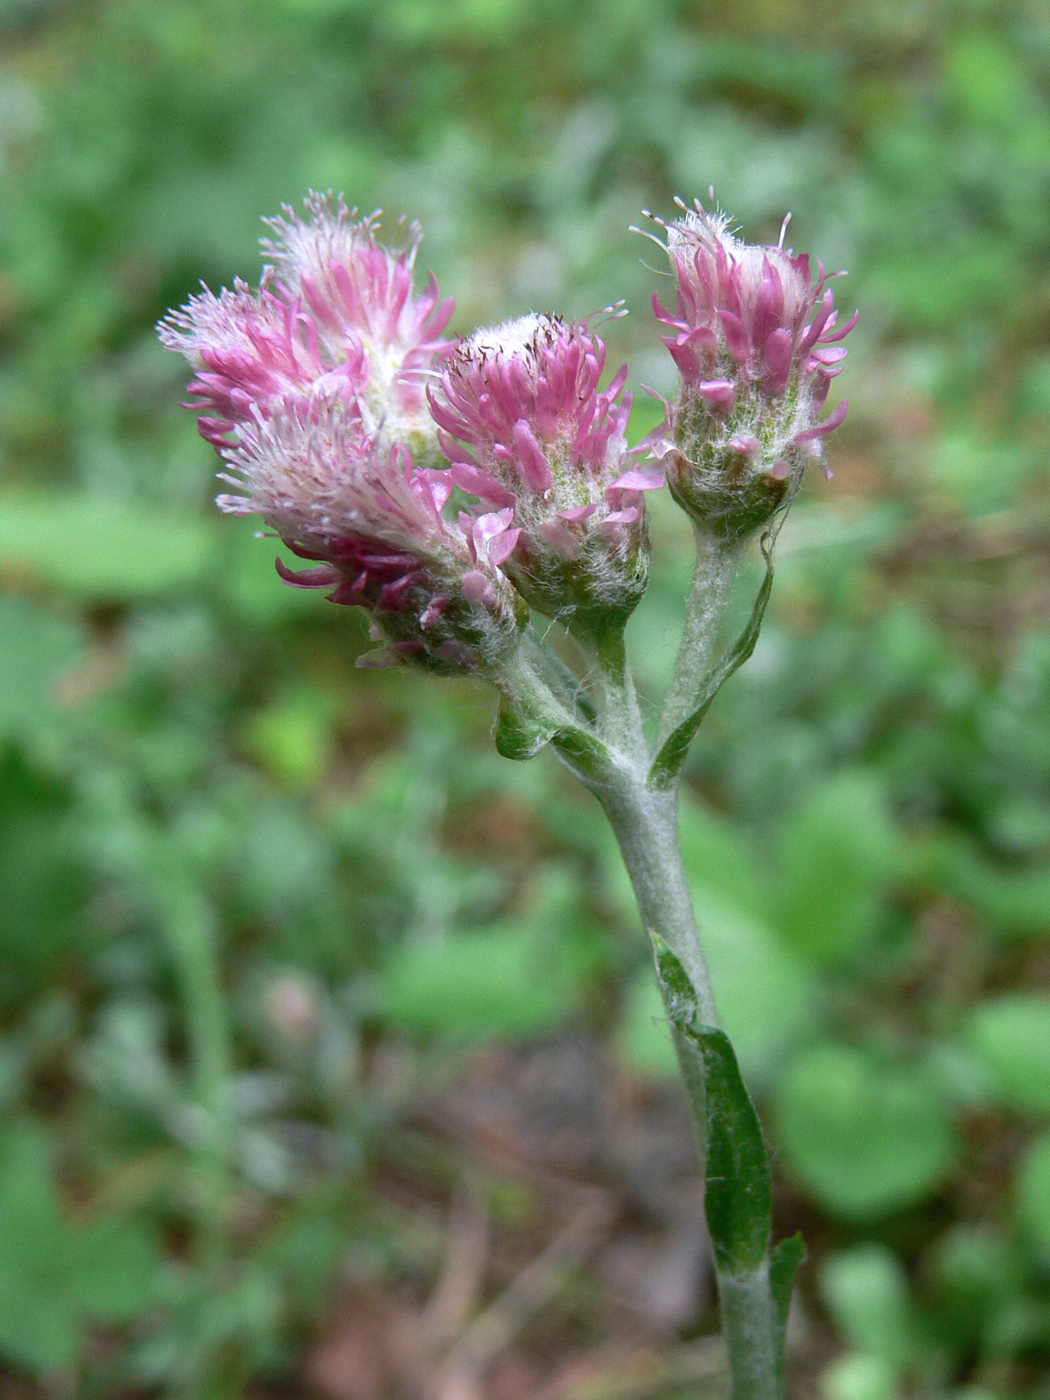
(454, 488)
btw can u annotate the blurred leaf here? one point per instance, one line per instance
(112, 1268)
(40, 876)
(763, 991)
(645, 1033)
(978, 1274)
(38, 1328)
(505, 981)
(867, 1292)
(717, 855)
(40, 647)
(252, 584)
(1012, 1037)
(837, 854)
(53, 1273)
(857, 1376)
(1013, 901)
(984, 77)
(100, 549)
(1033, 1189)
(292, 737)
(866, 1136)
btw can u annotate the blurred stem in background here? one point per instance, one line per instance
(191, 931)
(192, 934)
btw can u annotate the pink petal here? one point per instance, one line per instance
(619, 517)
(477, 587)
(560, 538)
(481, 484)
(720, 392)
(323, 577)
(503, 546)
(834, 419)
(638, 480)
(776, 356)
(747, 444)
(531, 459)
(737, 341)
(842, 331)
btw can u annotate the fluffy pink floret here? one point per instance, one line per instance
(354, 286)
(524, 398)
(748, 316)
(526, 427)
(530, 385)
(249, 350)
(372, 523)
(335, 308)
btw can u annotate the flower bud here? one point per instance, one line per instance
(544, 443)
(754, 340)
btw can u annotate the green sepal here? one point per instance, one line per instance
(672, 753)
(584, 753)
(518, 735)
(784, 1264)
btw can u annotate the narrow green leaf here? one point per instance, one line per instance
(786, 1260)
(566, 685)
(678, 991)
(672, 754)
(739, 1199)
(679, 997)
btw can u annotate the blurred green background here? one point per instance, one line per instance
(259, 910)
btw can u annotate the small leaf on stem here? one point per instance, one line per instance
(518, 735)
(786, 1260)
(739, 1197)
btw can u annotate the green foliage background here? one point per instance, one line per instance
(231, 866)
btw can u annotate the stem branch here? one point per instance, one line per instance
(717, 562)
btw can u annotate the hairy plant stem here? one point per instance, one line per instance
(612, 757)
(645, 824)
(717, 563)
(751, 1331)
(644, 818)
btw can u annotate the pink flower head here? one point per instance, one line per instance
(372, 523)
(357, 289)
(755, 338)
(335, 307)
(525, 426)
(249, 350)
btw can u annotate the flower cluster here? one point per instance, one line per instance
(753, 336)
(523, 397)
(347, 421)
(313, 394)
